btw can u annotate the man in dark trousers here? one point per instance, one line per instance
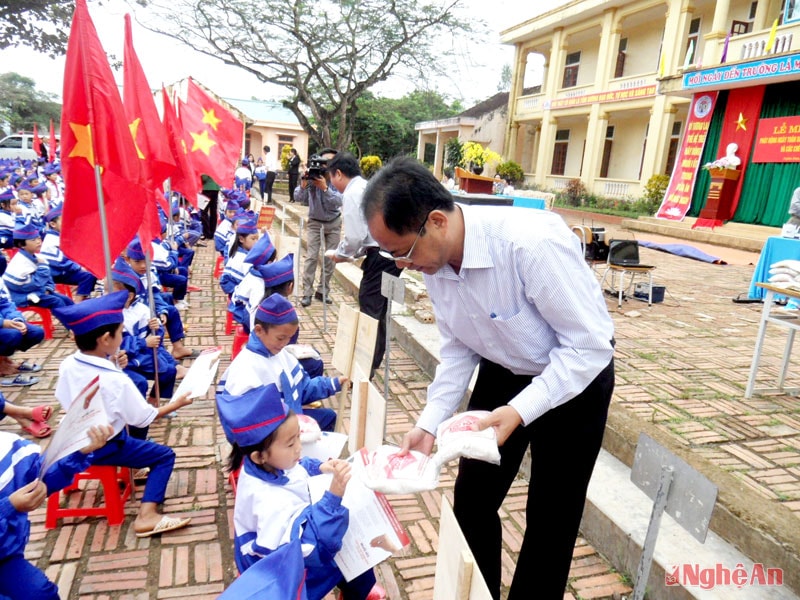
(514, 297)
(345, 175)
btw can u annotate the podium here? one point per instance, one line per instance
(719, 202)
(474, 184)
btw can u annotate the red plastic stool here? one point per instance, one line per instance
(229, 323)
(114, 496)
(233, 479)
(219, 267)
(239, 340)
(66, 290)
(45, 319)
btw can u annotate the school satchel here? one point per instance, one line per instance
(280, 575)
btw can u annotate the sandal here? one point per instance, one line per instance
(38, 429)
(42, 413)
(28, 367)
(165, 524)
(20, 380)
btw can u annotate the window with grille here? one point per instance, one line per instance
(560, 152)
(571, 70)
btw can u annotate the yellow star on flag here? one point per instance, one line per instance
(741, 123)
(201, 141)
(134, 127)
(83, 142)
(210, 118)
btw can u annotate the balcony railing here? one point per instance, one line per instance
(754, 44)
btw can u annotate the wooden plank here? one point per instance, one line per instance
(359, 399)
(375, 418)
(457, 575)
(366, 335)
(345, 342)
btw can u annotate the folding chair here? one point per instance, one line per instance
(623, 259)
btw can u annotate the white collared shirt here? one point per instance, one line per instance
(525, 299)
(356, 238)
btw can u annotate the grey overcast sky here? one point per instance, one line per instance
(476, 75)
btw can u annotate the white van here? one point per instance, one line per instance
(18, 145)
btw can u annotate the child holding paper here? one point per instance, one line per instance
(21, 492)
(273, 503)
(97, 326)
(264, 361)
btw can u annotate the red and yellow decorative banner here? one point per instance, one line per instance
(777, 140)
(615, 96)
(678, 197)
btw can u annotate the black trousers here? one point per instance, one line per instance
(370, 299)
(293, 178)
(209, 215)
(564, 443)
(270, 181)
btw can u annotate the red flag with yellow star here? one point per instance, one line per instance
(37, 142)
(185, 180)
(213, 135)
(94, 131)
(149, 136)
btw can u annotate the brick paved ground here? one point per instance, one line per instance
(92, 561)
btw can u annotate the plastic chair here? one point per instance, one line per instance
(219, 266)
(114, 496)
(45, 319)
(233, 479)
(66, 290)
(239, 340)
(228, 323)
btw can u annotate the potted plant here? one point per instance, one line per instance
(475, 157)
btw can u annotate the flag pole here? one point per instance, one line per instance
(101, 209)
(152, 302)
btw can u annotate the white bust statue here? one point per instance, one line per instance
(730, 160)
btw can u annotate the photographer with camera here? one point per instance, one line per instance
(324, 219)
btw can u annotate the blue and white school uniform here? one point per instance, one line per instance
(26, 275)
(246, 297)
(255, 366)
(140, 357)
(7, 222)
(62, 269)
(20, 462)
(124, 405)
(13, 340)
(234, 272)
(222, 236)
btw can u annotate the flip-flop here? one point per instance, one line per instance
(165, 524)
(20, 380)
(28, 367)
(193, 288)
(38, 429)
(42, 413)
(195, 353)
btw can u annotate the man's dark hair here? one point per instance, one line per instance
(346, 163)
(267, 149)
(328, 151)
(404, 192)
(86, 342)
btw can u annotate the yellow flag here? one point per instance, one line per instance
(661, 64)
(772, 33)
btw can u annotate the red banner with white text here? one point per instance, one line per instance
(777, 140)
(678, 197)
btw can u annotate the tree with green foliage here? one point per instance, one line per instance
(41, 24)
(385, 126)
(453, 153)
(325, 55)
(22, 105)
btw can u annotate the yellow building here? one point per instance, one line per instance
(618, 80)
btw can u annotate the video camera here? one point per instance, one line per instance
(316, 167)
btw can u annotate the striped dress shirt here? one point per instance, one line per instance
(524, 298)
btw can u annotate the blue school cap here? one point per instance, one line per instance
(53, 214)
(7, 196)
(134, 250)
(25, 231)
(261, 251)
(92, 313)
(247, 419)
(246, 227)
(276, 310)
(51, 169)
(124, 274)
(278, 272)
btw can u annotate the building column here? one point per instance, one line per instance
(421, 146)
(595, 141)
(544, 159)
(760, 21)
(558, 53)
(607, 52)
(438, 161)
(659, 132)
(719, 30)
(512, 139)
(676, 27)
(517, 85)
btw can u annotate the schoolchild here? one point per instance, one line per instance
(243, 176)
(167, 312)
(97, 325)
(250, 291)
(21, 491)
(28, 277)
(278, 278)
(8, 218)
(31, 420)
(264, 360)
(55, 184)
(169, 271)
(184, 238)
(62, 269)
(27, 209)
(16, 335)
(224, 231)
(273, 503)
(243, 242)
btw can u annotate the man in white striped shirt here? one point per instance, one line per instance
(512, 295)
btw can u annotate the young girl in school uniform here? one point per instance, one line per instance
(250, 290)
(235, 267)
(273, 503)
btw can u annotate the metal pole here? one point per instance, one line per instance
(386, 363)
(152, 303)
(324, 287)
(300, 253)
(101, 209)
(660, 504)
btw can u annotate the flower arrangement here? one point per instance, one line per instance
(475, 154)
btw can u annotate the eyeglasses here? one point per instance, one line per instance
(407, 256)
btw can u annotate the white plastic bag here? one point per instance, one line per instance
(388, 473)
(455, 438)
(309, 429)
